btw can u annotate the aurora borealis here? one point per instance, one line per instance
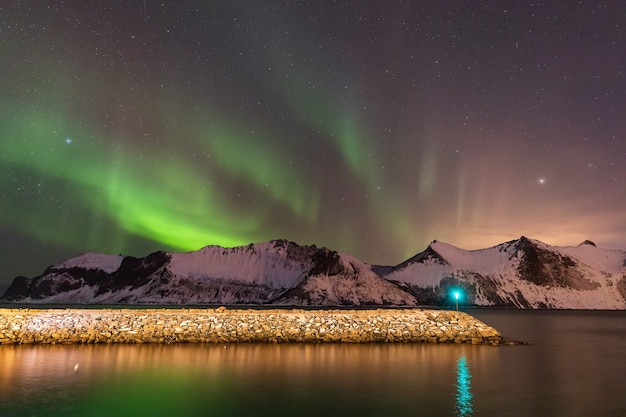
(367, 127)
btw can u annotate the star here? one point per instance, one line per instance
(317, 132)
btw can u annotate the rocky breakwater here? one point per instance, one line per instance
(221, 325)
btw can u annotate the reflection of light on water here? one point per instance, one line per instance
(464, 397)
(241, 379)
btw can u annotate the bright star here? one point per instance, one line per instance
(541, 181)
(68, 140)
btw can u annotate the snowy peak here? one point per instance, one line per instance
(443, 257)
(92, 260)
(341, 279)
(257, 273)
(522, 273)
(429, 256)
(135, 272)
(545, 266)
(275, 264)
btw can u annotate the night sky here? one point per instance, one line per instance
(367, 127)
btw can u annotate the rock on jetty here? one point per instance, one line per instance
(221, 325)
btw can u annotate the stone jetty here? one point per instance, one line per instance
(222, 325)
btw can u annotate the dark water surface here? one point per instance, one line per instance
(576, 366)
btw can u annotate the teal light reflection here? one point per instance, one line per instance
(464, 398)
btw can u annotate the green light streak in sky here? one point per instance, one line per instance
(171, 205)
(153, 195)
(386, 201)
(314, 104)
(324, 113)
(254, 158)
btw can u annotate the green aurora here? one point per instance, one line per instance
(365, 128)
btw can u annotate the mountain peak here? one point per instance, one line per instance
(588, 242)
(92, 260)
(523, 273)
(526, 241)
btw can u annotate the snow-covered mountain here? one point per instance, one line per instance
(343, 279)
(523, 273)
(277, 271)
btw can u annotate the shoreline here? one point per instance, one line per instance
(223, 325)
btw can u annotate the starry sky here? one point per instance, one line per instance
(370, 127)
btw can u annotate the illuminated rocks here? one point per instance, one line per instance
(221, 325)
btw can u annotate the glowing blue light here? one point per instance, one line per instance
(456, 295)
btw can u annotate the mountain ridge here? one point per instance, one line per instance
(521, 273)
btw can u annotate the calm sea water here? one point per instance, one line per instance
(576, 366)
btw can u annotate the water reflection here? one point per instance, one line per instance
(234, 380)
(464, 397)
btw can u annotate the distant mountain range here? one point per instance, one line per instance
(522, 273)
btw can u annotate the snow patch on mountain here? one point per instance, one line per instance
(523, 273)
(266, 264)
(344, 280)
(93, 260)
